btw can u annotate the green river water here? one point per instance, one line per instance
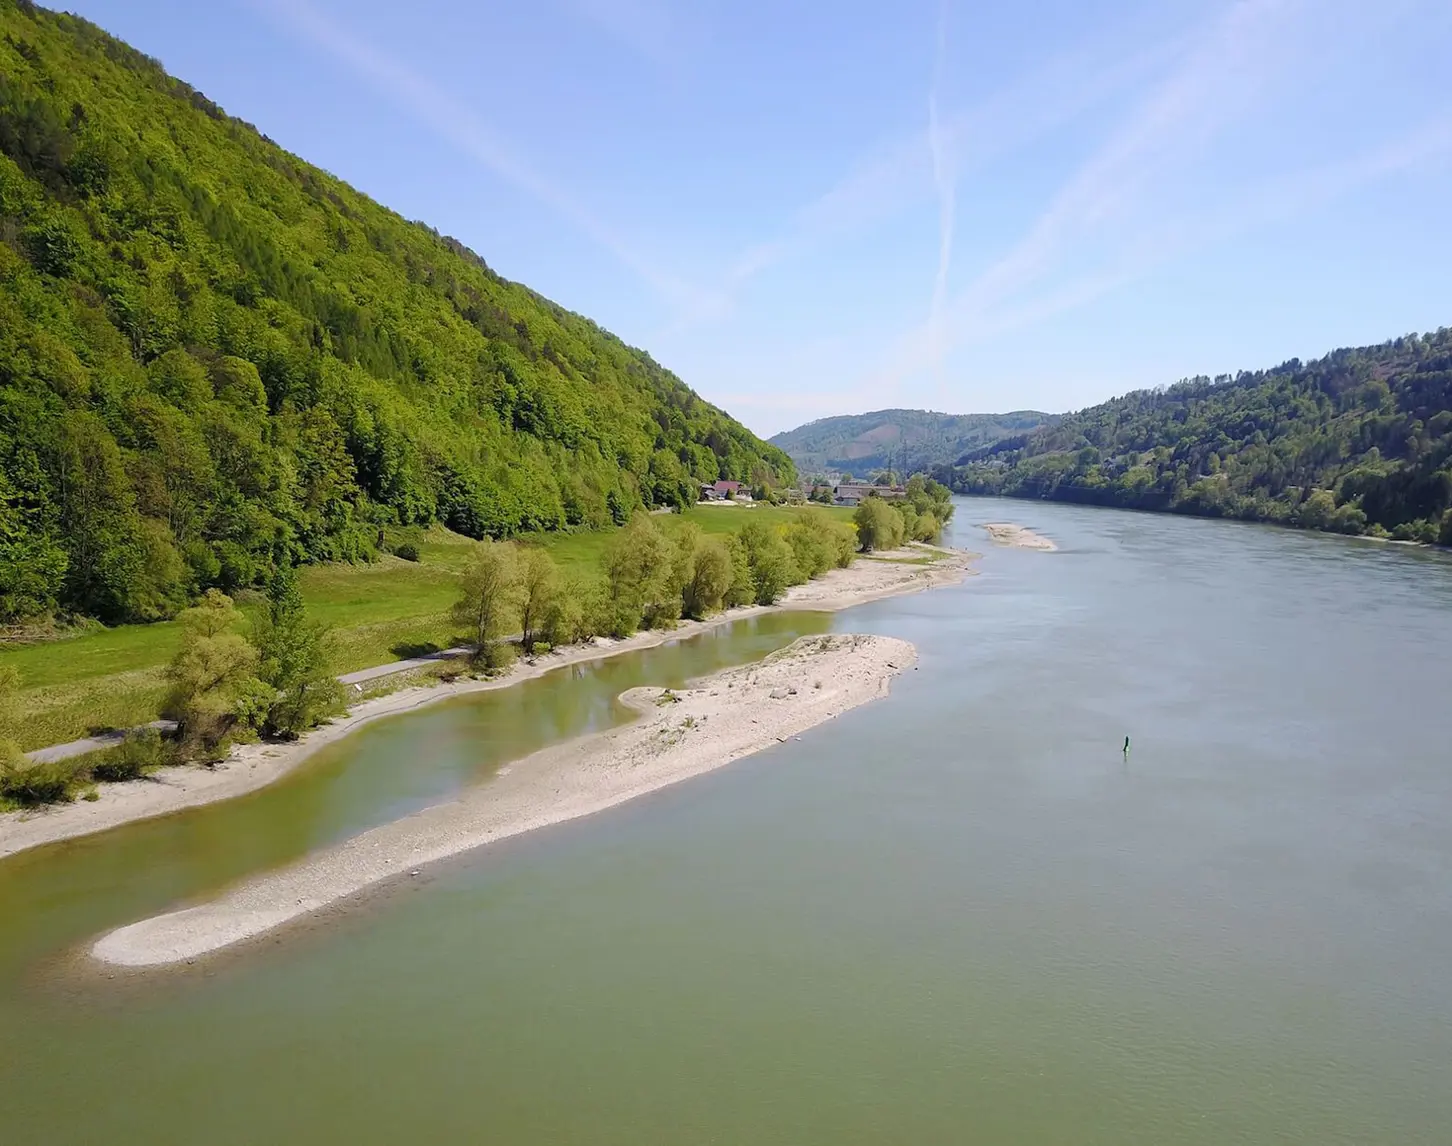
(959, 915)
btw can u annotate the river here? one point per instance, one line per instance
(959, 914)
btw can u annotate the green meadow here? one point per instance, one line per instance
(388, 610)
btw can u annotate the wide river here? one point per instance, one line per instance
(961, 914)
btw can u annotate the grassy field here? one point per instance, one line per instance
(112, 678)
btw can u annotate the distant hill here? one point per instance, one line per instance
(213, 354)
(1359, 441)
(860, 443)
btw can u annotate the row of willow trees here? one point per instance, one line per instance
(212, 352)
(650, 577)
(271, 675)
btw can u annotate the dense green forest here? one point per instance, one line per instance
(215, 358)
(1358, 442)
(903, 440)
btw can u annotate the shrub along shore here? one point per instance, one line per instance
(78, 678)
(251, 766)
(235, 678)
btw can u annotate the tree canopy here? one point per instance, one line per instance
(214, 356)
(1359, 441)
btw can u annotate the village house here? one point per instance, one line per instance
(852, 493)
(722, 491)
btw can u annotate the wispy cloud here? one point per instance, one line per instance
(1215, 81)
(945, 179)
(1270, 202)
(434, 107)
(647, 27)
(901, 173)
(1267, 203)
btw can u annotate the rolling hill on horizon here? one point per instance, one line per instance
(898, 439)
(214, 355)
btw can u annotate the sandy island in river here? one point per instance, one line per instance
(253, 766)
(681, 734)
(1006, 533)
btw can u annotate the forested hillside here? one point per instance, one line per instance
(213, 355)
(908, 440)
(1357, 442)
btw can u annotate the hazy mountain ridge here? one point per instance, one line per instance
(898, 439)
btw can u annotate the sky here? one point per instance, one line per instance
(816, 207)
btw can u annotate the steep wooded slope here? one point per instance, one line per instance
(213, 356)
(1359, 441)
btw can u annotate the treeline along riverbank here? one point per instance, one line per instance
(272, 674)
(1357, 442)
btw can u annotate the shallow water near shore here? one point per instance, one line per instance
(958, 914)
(376, 775)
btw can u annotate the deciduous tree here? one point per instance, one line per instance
(637, 567)
(293, 660)
(539, 587)
(488, 601)
(879, 526)
(770, 560)
(709, 582)
(213, 678)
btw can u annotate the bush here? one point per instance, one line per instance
(741, 591)
(211, 676)
(140, 753)
(927, 529)
(406, 550)
(909, 515)
(811, 554)
(664, 609)
(33, 784)
(496, 656)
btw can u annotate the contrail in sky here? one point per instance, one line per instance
(945, 180)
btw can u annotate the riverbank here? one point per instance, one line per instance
(76, 680)
(681, 734)
(1017, 537)
(254, 766)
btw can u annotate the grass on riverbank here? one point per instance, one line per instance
(389, 610)
(926, 559)
(146, 751)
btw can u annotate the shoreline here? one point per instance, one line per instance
(680, 734)
(253, 766)
(1013, 536)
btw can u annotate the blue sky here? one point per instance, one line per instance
(807, 207)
